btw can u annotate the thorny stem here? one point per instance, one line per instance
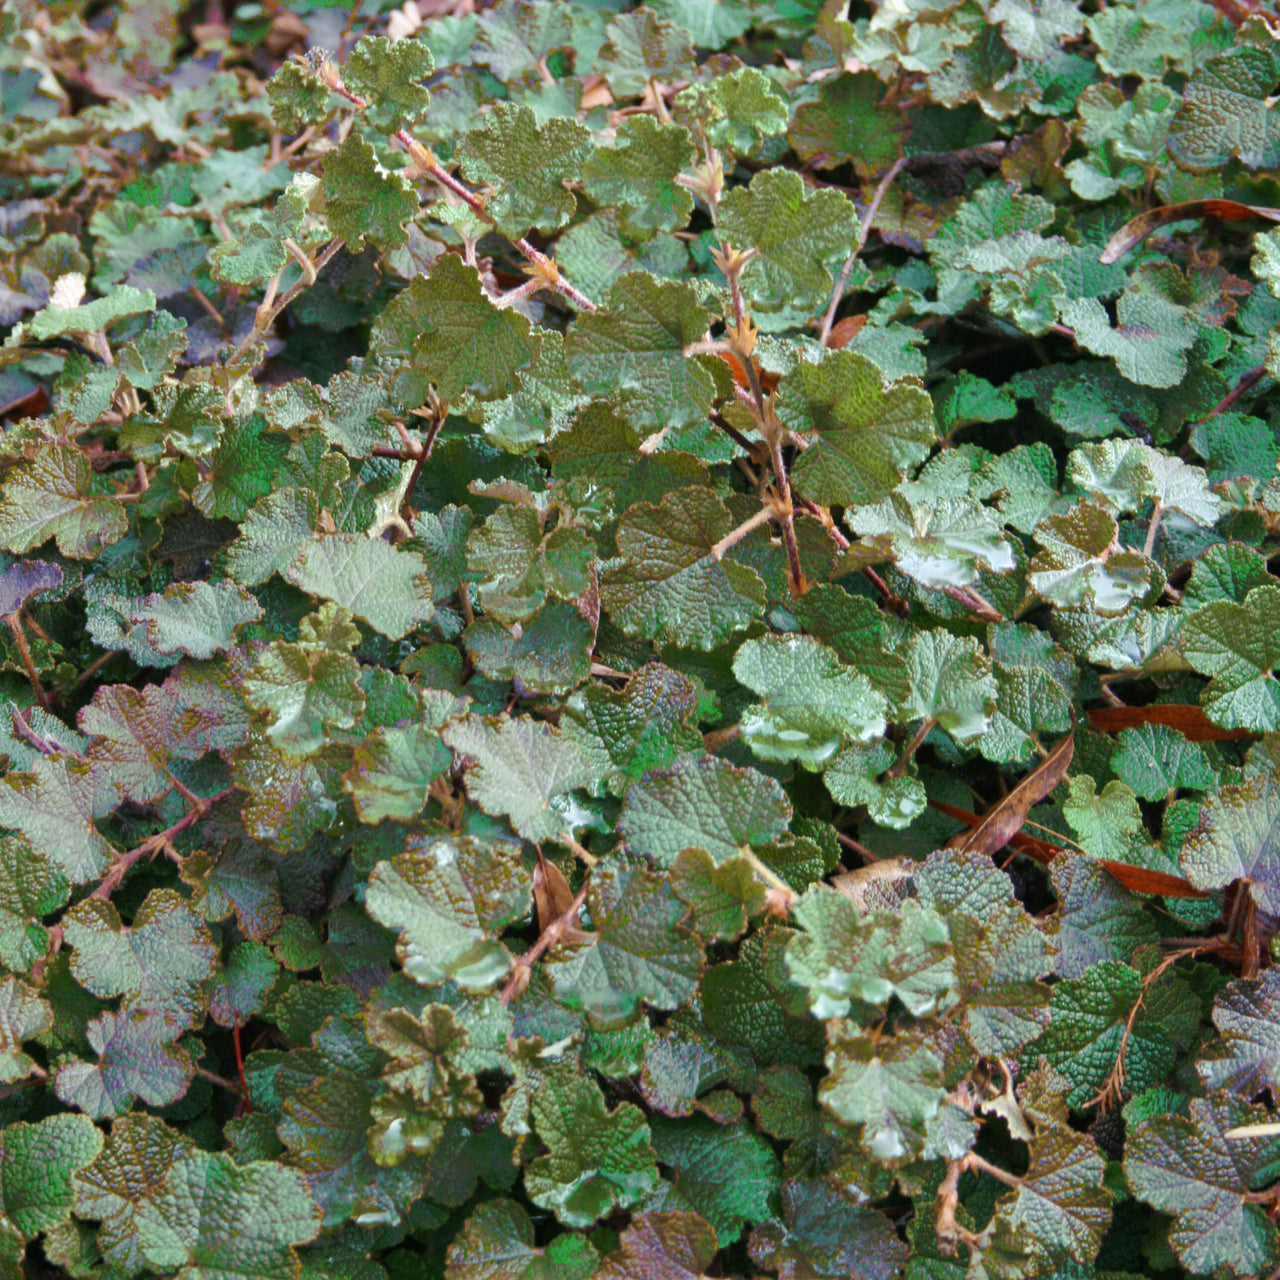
(823, 516)
(864, 230)
(860, 849)
(736, 535)
(1152, 528)
(1247, 382)
(522, 968)
(899, 767)
(786, 514)
(971, 599)
(546, 270)
(221, 1081)
(14, 622)
(267, 315)
(719, 420)
(786, 893)
(153, 844)
(583, 855)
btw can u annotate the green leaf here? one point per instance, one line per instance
(386, 73)
(1238, 645)
(676, 586)
(1088, 1019)
(1238, 838)
(49, 497)
(702, 804)
(841, 955)
(951, 683)
(642, 47)
(1247, 1058)
(827, 1235)
(523, 769)
(38, 1163)
(137, 1058)
(944, 544)
(89, 317)
(738, 109)
(497, 1243)
(867, 433)
(450, 897)
(728, 1174)
(645, 726)
(23, 1016)
(241, 469)
(636, 951)
(849, 122)
(812, 701)
(796, 233)
(309, 686)
(1082, 562)
(1150, 342)
(1061, 1202)
(637, 176)
(217, 1220)
(158, 963)
(636, 343)
(597, 1160)
(519, 561)
(1227, 111)
(527, 165)
(1156, 761)
(54, 806)
(125, 1177)
(364, 201)
(890, 1087)
(382, 584)
(454, 335)
(1097, 920)
(31, 887)
(1187, 1167)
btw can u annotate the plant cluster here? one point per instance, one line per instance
(639, 641)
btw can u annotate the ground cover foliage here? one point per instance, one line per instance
(639, 641)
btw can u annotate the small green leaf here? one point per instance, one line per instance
(527, 165)
(450, 897)
(38, 1163)
(867, 433)
(50, 497)
(1239, 646)
(218, 1220)
(523, 769)
(796, 233)
(812, 701)
(636, 343)
(386, 73)
(849, 122)
(597, 1160)
(637, 176)
(363, 200)
(1187, 1167)
(676, 586)
(382, 584)
(455, 337)
(1238, 838)
(702, 804)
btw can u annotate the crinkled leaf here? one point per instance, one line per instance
(676, 586)
(704, 804)
(450, 897)
(524, 769)
(811, 700)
